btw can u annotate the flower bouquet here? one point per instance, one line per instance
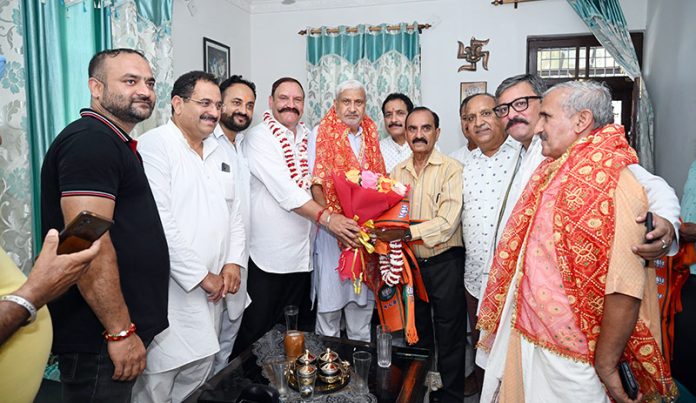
(364, 196)
(377, 202)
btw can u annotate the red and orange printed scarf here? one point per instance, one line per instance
(334, 154)
(594, 164)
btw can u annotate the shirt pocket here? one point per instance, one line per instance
(227, 183)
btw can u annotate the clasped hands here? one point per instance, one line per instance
(218, 285)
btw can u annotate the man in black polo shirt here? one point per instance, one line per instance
(101, 327)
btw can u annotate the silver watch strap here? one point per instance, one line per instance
(24, 303)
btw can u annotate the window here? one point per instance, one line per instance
(563, 58)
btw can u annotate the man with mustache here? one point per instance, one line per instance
(518, 106)
(487, 173)
(436, 200)
(463, 153)
(566, 296)
(282, 213)
(101, 327)
(346, 139)
(238, 99)
(394, 148)
(193, 183)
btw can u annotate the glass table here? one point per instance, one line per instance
(403, 381)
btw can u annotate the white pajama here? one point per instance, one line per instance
(172, 386)
(358, 319)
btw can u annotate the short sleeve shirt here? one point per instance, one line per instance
(94, 157)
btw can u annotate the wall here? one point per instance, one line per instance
(669, 74)
(214, 19)
(278, 50)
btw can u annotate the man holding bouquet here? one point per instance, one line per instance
(346, 139)
(436, 203)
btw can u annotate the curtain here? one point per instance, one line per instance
(146, 25)
(384, 61)
(606, 21)
(59, 40)
(15, 166)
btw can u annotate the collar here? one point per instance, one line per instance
(219, 133)
(395, 144)
(91, 113)
(358, 134)
(508, 143)
(209, 143)
(436, 158)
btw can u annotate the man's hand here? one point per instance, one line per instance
(231, 278)
(129, 357)
(345, 229)
(53, 274)
(611, 380)
(687, 232)
(659, 239)
(388, 235)
(214, 286)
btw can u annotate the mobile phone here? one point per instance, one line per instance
(82, 231)
(649, 222)
(628, 380)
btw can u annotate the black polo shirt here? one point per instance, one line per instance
(94, 157)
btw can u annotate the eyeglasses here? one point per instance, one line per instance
(485, 114)
(519, 105)
(205, 102)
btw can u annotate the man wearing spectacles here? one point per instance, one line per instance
(518, 107)
(193, 184)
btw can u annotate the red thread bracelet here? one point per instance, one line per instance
(123, 334)
(319, 215)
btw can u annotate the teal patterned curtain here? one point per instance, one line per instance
(606, 21)
(59, 41)
(384, 61)
(15, 166)
(147, 25)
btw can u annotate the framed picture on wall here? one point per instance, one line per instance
(471, 88)
(216, 58)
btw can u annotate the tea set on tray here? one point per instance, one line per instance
(332, 373)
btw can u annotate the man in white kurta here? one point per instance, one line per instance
(193, 186)
(519, 120)
(282, 213)
(238, 100)
(394, 147)
(337, 299)
(464, 152)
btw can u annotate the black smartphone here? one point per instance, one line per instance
(648, 228)
(649, 222)
(82, 231)
(628, 380)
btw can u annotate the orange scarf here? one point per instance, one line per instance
(594, 164)
(334, 154)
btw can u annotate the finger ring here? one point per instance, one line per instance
(664, 244)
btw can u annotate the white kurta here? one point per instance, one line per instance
(485, 181)
(236, 303)
(192, 196)
(280, 241)
(461, 154)
(329, 291)
(393, 153)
